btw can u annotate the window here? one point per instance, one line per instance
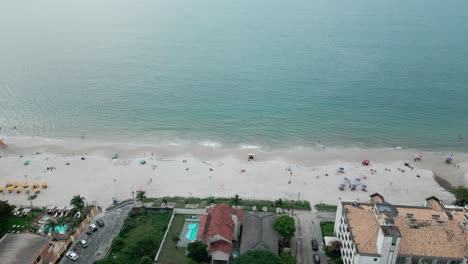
(442, 261)
(415, 260)
(401, 260)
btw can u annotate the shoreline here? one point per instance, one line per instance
(99, 178)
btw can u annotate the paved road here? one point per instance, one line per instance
(308, 228)
(100, 241)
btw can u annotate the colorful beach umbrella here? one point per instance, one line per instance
(25, 183)
(418, 155)
(26, 189)
(18, 189)
(37, 190)
(10, 189)
(35, 183)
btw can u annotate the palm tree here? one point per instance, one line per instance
(140, 196)
(211, 200)
(164, 201)
(50, 227)
(78, 202)
(279, 203)
(235, 200)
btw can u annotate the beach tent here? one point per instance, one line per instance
(365, 162)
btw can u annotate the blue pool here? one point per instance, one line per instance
(192, 231)
(61, 229)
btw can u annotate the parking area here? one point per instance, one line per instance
(99, 241)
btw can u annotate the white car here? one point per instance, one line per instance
(83, 243)
(93, 227)
(72, 255)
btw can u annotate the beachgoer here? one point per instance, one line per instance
(289, 182)
(151, 180)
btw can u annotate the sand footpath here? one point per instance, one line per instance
(201, 171)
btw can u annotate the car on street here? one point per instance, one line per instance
(314, 244)
(316, 258)
(100, 223)
(83, 243)
(72, 255)
(93, 227)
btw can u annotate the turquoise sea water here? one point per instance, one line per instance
(268, 73)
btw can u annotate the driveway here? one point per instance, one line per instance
(308, 228)
(100, 241)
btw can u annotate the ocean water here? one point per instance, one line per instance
(237, 73)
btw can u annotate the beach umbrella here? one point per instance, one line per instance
(364, 186)
(1, 187)
(10, 188)
(16, 183)
(342, 185)
(8, 182)
(346, 179)
(25, 183)
(341, 168)
(18, 189)
(36, 190)
(26, 189)
(418, 156)
(354, 185)
(35, 183)
(358, 179)
(44, 183)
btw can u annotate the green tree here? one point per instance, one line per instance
(140, 197)
(287, 259)
(285, 226)
(236, 200)
(257, 257)
(118, 243)
(175, 239)
(461, 195)
(197, 251)
(77, 202)
(5, 209)
(164, 201)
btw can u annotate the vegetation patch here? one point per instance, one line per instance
(170, 253)
(8, 220)
(325, 207)
(247, 204)
(327, 228)
(140, 238)
(461, 195)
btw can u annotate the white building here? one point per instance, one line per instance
(381, 233)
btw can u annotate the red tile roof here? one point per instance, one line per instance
(218, 221)
(222, 246)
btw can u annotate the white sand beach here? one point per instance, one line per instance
(185, 171)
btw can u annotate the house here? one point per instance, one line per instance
(380, 232)
(258, 232)
(219, 228)
(25, 248)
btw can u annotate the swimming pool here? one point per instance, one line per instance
(61, 229)
(192, 231)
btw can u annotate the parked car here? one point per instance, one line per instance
(316, 258)
(314, 244)
(72, 255)
(93, 227)
(83, 243)
(100, 223)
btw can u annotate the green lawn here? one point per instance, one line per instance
(326, 207)
(140, 238)
(327, 228)
(246, 203)
(6, 223)
(170, 254)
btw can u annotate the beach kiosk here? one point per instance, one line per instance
(251, 156)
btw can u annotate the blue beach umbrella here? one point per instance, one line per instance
(341, 168)
(354, 185)
(346, 179)
(358, 179)
(364, 186)
(342, 185)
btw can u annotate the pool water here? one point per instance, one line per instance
(192, 231)
(61, 229)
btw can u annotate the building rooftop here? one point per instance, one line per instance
(424, 231)
(258, 232)
(21, 248)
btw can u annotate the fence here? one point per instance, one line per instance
(164, 238)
